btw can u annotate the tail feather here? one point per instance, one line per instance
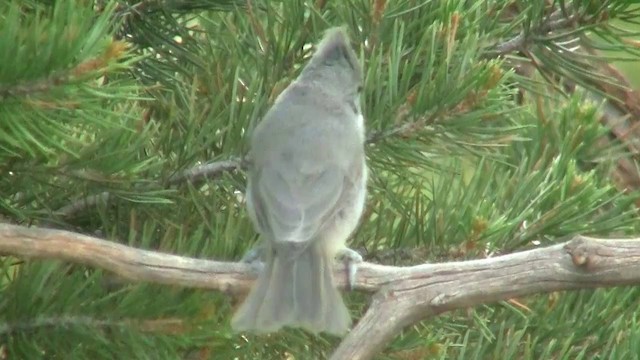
(295, 291)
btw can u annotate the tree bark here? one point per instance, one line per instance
(403, 295)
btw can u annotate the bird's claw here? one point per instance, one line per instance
(253, 257)
(351, 259)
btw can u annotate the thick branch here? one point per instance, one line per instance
(405, 295)
(130, 263)
(424, 291)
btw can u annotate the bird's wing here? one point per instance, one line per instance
(292, 206)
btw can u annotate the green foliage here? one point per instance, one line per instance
(469, 157)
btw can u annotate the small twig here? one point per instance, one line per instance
(195, 175)
(404, 295)
(81, 204)
(521, 41)
(212, 170)
(377, 136)
(33, 87)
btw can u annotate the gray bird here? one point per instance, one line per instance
(306, 193)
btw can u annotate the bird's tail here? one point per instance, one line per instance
(297, 291)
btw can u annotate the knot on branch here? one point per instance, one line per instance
(585, 252)
(579, 253)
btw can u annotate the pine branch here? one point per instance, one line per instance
(186, 6)
(621, 114)
(403, 295)
(116, 50)
(622, 107)
(200, 173)
(195, 176)
(57, 321)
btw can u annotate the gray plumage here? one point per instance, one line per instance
(305, 194)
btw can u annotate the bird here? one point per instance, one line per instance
(306, 191)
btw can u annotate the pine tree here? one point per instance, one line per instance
(494, 127)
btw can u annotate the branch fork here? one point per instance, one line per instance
(402, 296)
